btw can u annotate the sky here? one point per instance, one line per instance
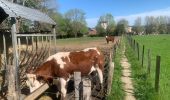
(128, 9)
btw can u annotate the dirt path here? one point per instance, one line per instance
(126, 77)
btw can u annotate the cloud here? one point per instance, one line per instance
(91, 22)
(156, 13)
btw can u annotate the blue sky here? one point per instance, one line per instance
(128, 9)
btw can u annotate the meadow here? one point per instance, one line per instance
(159, 45)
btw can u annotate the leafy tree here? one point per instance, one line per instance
(151, 25)
(109, 20)
(138, 28)
(76, 18)
(121, 27)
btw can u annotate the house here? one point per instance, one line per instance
(92, 31)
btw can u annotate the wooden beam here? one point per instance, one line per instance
(37, 92)
(77, 80)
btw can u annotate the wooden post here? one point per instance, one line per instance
(158, 59)
(143, 54)
(0, 62)
(5, 50)
(12, 93)
(42, 41)
(13, 85)
(110, 74)
(86, 89)
(37, 42)
(138, 50)
(54, 33)
(49, 46)
(149, 61)
(37, 92)
(77, 80)
(32, 40)
(134, 42)
(19, 46)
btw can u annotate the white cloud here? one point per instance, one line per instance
(131, 18)
(91, 22)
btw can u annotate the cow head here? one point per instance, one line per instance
(32, 82)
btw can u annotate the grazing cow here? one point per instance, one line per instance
(64, 64)
(109, 38)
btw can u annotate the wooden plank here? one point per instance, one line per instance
(37, 92)
(12, 94)
(77, 80)
(86, 89)
(157, 74)
(13, 83)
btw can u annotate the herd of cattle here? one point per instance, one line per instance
(62, 65)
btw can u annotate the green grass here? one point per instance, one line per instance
(142, 85)
(117, 92)
(159, 45)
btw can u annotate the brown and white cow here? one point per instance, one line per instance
(64, 64)
(109, 38)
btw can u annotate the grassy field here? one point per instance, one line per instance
(117, 92)
(159, 45)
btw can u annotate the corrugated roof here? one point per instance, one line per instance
(15, 10)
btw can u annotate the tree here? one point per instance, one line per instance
(151, 25)
(110, 27)
(162, 28)
(121, 27)
(76, 18)
(111, 24)
(138, 28)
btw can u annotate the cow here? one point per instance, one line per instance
(63, 64)
(109, 38)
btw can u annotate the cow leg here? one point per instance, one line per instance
(100, 74)
(107, 41)
(63, 88)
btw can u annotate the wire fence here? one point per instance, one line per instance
(144, 57)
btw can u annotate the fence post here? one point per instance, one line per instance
(134, 42)
(143, 54)
(86, 89)
(32, 40)
(36, 42)
(5, 50)
(54, 37)
(19, 46)
(158, 59)
(13, 83)
(138, 50)
(110, 74)
(49, 52)
(77, 80)
(149, 61)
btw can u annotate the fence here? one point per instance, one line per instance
(140, 55)
(31, 50)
